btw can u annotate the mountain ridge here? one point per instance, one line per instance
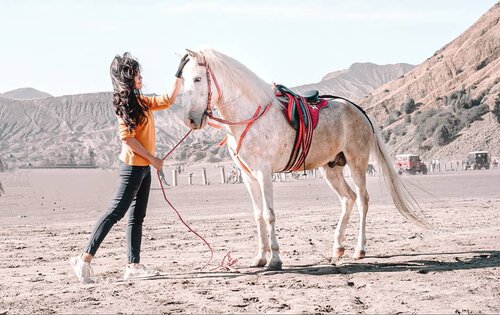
(25, 93)
(358, 80)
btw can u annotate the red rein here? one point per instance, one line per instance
(177, 212)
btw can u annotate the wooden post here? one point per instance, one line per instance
(204, 176)
(174, 177)
(222, 175)
(190, 179)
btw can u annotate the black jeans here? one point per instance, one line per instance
(133, 193)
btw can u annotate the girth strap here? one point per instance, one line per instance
(297, 112)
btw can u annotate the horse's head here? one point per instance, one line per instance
(206, 74)
(197, 87)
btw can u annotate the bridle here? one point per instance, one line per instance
(210, 74)
(209, 113)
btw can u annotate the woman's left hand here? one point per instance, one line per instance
(182, 64)
(157, 163)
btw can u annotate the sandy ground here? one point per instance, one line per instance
(46, 217)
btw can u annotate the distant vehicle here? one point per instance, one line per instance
(410, 164)
(476, 160)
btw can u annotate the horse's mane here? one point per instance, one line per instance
(237, 76)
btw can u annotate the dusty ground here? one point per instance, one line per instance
(46, 216)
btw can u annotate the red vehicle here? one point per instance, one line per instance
(410, 164)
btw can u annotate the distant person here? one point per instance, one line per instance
(371, 169)
(137, 133)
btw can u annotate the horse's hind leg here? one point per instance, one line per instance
(336, 181)
(253, 188)
(358, 172)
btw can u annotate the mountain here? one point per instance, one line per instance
(357, 81)
(82, 129)
(25, 94)
(450, 104)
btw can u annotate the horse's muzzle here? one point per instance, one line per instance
(196, 122)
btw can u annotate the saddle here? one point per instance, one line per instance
(294, 105)
(302, 113)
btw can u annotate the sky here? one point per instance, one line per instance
(65, 47)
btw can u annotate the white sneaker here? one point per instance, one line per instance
(82, 269)
(133, 271)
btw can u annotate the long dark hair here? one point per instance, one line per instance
(123, 70)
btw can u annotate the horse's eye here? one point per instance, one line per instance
(197, 79)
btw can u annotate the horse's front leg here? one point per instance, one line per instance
(253, 188)
(264, 177)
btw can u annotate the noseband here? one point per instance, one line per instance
(210, 74)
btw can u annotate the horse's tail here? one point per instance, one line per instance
(402, 198)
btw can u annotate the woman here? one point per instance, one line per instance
(137, 133)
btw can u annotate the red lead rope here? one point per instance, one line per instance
(177, 212)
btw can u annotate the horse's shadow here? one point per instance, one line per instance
(439, 262)
(442, 262)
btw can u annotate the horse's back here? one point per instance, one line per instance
(342, 127)
(342, 119)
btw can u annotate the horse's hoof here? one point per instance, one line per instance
(338, 252)
(259, 262)
(276, 265)
(359, 254)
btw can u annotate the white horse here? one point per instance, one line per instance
(344, 132)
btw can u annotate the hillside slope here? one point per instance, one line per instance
(449, 104)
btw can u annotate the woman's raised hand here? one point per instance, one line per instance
(183, 62)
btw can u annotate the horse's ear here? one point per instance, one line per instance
(192, 53)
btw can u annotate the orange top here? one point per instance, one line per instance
(144, 132)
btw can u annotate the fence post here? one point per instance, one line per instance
(204, 176)
(190, 179)
(222, 175)
(174, 177)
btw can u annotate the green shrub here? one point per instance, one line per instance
(466, 117)
(482, 64)
(496, 109)
(459, 100)
(443, 135)
(393, 117)
(398, 130)
(447, 130)
(386, 134)
(409, 106)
